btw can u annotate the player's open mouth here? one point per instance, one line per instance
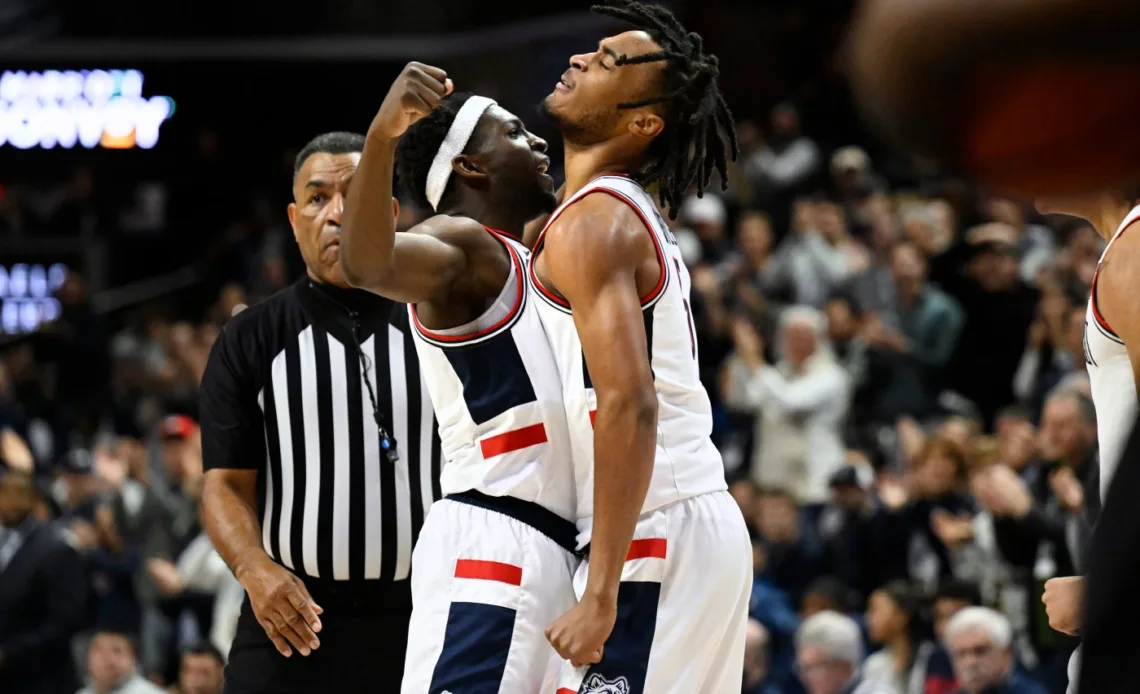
(563, 84)
(543, 166)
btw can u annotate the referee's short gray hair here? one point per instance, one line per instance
(994, 623)
(835, 634)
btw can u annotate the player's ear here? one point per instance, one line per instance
(395, 208)
(646, 124)
(468, 167)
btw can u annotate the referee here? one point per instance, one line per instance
(321, 458)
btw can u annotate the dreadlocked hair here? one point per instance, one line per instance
(699, 134)
(420, 143)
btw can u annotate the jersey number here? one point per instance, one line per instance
(688, 313)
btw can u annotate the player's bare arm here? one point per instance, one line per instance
(423, 264)
(594, 255)
(1116, 286)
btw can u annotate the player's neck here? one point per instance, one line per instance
(485, 211)
(584, 163)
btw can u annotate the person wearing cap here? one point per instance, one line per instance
(42, 594)
(321, 458)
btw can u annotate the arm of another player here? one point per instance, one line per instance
(592, 260)
(406, 267)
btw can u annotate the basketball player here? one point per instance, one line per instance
(1112, 353)
(663, 595)
(495, 559)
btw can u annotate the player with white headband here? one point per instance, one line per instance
(494, 562)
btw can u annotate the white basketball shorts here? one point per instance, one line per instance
(682, 606)
(485, 586)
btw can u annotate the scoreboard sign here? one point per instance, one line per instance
(84, 108)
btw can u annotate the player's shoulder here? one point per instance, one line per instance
(453, 229)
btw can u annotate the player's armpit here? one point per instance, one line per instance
(593, 255)
(1116, 287)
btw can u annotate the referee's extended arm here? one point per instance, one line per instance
(233, 451)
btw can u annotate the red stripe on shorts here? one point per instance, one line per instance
(593, 416)
(513, 440)
(650, 548)
(488, 571)
(564, 690)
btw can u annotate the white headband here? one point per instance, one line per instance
(457, 136)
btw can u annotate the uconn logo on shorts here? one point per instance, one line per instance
(596, 684)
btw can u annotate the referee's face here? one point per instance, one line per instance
(319, 190)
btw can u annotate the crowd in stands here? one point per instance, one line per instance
(898, 378)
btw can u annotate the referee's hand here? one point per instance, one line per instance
(283, 607)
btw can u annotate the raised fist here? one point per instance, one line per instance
(413, 95)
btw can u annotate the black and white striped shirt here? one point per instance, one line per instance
(284, 392)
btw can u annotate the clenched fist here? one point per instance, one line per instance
(413, 95)
(1064, 598)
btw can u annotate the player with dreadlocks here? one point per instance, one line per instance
(494, 562)
(663, 595)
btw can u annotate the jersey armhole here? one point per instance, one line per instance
(1096, 274)
(648, 299)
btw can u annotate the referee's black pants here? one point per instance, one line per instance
(364, 636)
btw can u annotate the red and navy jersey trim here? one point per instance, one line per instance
(1101, 322)
(506, 323)
(560, 303)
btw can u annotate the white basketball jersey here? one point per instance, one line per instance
(498, 399)
(1111, 378)
(687, 463)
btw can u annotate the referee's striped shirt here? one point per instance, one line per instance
(285, 392)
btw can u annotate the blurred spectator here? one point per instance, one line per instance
(112, 666)
(706, 216)
(1055, 354)
(979, 641)
(894, 624)
(911, 341)
(982, 274)
(42, 594)
(819, 255)
(829, 653)
(851, 526)
(756, 661)
(795, 554)
(952, 597)
(1035, 246)
(801, 403)
(201, 671)
(785, 164)
(770, 607)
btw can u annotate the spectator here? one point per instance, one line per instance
(829, 651)
(850, 527)
(771, 608)
(201, 671)
(1055, 354)
(801, 403)
(795, 555)
(818, 257)
(786, 163)
(112, 666)
(42, 594)
(893, 623)
(982, 274)
(1035, 246)
(952, 597)
(979, 640)
(756, 679)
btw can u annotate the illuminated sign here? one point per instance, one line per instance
(27, 296)
(87, 107)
